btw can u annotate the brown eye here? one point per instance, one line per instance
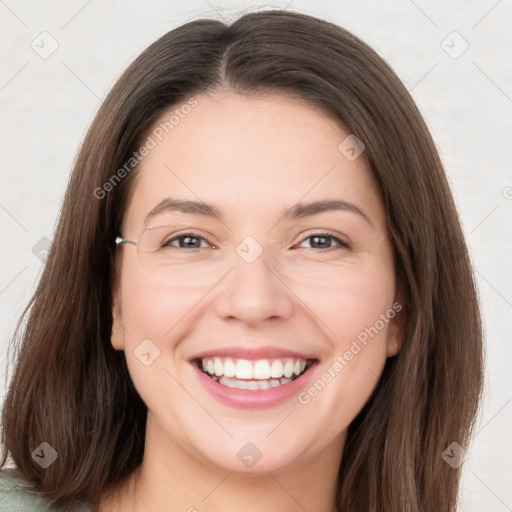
(186, 240)
(324, 241)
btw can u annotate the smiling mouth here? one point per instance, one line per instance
(253, 375)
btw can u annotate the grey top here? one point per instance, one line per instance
(19, 495)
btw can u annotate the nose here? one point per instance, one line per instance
(254, 292)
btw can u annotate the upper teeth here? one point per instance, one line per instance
(258, 369)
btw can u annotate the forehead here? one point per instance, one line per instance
(250, 156)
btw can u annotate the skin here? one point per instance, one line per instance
(253, 158)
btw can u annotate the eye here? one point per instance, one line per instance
(321, 241)
(193, 241)
(190, 240)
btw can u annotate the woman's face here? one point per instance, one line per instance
(257, 288)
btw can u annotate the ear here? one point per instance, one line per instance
(117, 333)
(396, 329)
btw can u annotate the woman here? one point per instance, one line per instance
(258, 296)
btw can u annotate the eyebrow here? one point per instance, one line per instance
(297, 211)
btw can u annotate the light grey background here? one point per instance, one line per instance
(47, 104)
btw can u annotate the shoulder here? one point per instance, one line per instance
(19, 495)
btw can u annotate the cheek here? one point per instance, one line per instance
(363, 303)
(357, 306)
(149, 308)
(349, 298)
(150, 314)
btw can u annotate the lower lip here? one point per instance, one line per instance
(247, 399)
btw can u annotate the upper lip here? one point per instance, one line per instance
(252, 353)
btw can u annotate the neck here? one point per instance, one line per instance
(171, 477)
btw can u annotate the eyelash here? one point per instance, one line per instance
(342, 243)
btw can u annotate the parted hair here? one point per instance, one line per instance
(71, 389)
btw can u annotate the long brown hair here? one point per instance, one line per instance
(71, 389)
